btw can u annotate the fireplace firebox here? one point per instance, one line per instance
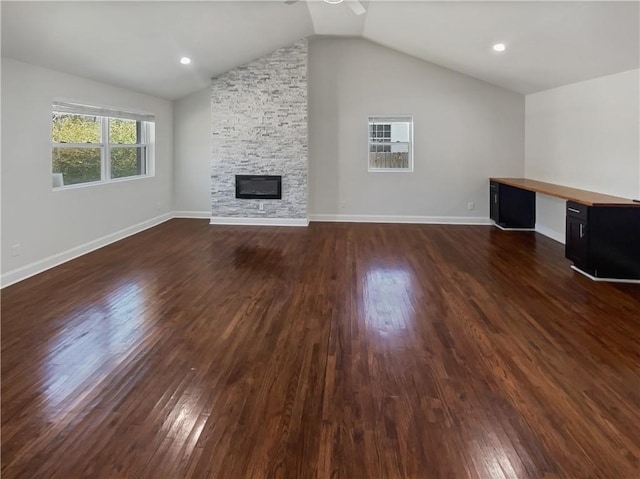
(264, 187)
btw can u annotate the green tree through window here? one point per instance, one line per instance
(81, 164)
(125, 160)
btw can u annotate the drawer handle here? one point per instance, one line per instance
(581, 230)
(573, 210)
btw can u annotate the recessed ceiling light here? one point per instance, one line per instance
(333, 2)
(185, 60)
(499, 47)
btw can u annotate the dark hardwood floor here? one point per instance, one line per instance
(334, 351)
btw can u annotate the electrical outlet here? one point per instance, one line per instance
(261, 206)
(343, 204)
(16, 249)
(158, 206)
(471, 205)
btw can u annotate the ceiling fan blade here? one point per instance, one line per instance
(290, 2)
(357, 7)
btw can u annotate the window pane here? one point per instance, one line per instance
(399, 147)
(77, 165)
(68, 128)
(390, 143)
(128, 161)
(123, 131)
(388, 160)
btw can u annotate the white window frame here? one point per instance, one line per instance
(378, 119)
(104, 116)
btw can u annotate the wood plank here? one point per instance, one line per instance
(333, 351)
(589, 198)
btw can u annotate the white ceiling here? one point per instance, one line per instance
(548, 43)
(137, 45)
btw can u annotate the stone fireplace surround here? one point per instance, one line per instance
(259, 127)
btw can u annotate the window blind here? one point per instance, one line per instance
(389, 119)
(78, 109)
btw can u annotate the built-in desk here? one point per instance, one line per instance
(602, 234)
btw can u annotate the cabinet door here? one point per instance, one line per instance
(577, 241)
(614, 242)
(516, 207)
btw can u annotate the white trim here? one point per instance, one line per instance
(512, 229)
(24, 272)
(204, 215)
(95, 183)
(31, 269)
(219, 220)
(551, 233)
(147, 133)
(607, 280)
(390, 170)
(437, 220)
(393, 119)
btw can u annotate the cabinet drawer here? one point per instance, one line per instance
(577, 210)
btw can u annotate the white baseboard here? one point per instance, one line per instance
(550, 233)
(31, 269)
(205, 215)
(219, 220)
(39, 266)
(437, 220)
(512, 229)
(543, 230)
(604, 280)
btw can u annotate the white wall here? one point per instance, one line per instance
(585, 135)
(49, 223)
(465, 131)
(192, 153)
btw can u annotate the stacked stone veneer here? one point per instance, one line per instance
(259, 127)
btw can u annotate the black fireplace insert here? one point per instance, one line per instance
(264, 187)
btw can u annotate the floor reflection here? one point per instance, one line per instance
(258, 258)
(90, 346)
(388, 298)
(488, 453)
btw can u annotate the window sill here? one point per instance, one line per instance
(390, 170)
(98, 183)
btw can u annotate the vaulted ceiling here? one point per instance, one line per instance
(137, 45)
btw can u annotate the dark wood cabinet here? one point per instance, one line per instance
(604, 241)
(577, 240)
(512, 208)
(602, 231)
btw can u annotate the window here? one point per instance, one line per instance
(98, 145)
(390, 144)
